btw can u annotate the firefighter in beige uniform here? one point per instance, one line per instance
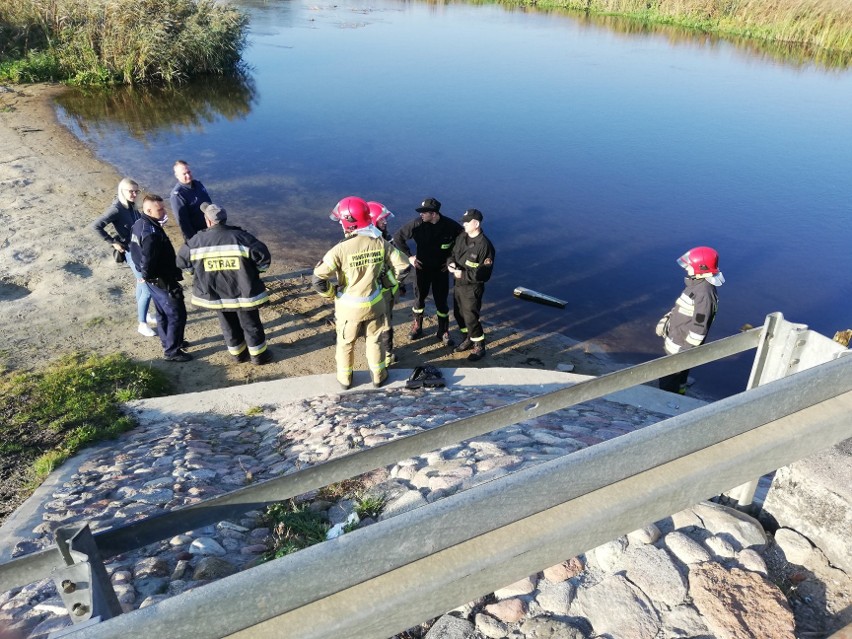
(357, 263)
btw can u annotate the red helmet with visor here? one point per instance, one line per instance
(378, 212)
(352, 213)
(703, 262)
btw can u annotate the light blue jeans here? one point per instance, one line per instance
(143, 295)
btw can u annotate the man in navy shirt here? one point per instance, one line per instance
(186, 199)
(155, 256)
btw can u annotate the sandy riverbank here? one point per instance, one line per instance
(60, 291)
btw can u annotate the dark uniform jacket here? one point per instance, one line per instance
(434, 241)
(475, 257)
(227, 262)
(153, 253)
(692, 315)
(186, 201)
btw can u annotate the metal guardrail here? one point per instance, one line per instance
(468, 544)
(379, 580)
(784, 348)
(111, 542)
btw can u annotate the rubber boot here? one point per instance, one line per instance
(443, 334)
(416, 327)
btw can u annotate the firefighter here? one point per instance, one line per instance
(154, 255)
(687, 324)
(471, 263)
(227, 262)
(357, 263)
(433, 236)
(379, 215)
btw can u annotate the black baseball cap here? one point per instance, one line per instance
(472, 214)
(430, 205)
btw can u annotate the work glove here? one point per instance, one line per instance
(662, 328)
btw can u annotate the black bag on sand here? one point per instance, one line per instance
(118, 256)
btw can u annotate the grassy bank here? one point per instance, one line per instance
(47, 416)
(821, 29)
(104, 42)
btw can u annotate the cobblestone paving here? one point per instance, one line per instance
(169, 464)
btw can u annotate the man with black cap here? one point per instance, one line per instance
(433, 236)
(471, 263)
(227, 262)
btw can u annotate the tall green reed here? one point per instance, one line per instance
(104, 42)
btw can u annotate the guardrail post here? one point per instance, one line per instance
(83, 582)
(784, 348)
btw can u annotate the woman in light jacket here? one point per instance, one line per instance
(121, 214)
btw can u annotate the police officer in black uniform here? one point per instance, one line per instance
(434, 236)
(154, 254)
(471, 263)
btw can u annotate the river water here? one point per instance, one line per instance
(598, 151)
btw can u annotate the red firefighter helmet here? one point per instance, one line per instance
(378, 212)
(352, 213)
(702, 261)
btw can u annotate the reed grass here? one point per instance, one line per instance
(823, 28)
(104, 42)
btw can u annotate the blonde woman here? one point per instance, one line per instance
(121, 215)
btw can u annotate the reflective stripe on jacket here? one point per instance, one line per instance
(358, 263)
(226, 262)
(475, 257)
(691, 316)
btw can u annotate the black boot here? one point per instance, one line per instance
(387, 343)
(466, 345)
(416, 327)
(478, 351)
(263, 358)
(443, 334)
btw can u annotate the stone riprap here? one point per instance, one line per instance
(813, 496)
(166, 465)
(663, 579)
(660, 582)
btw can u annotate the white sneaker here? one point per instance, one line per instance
(151, 319)
(146, 330)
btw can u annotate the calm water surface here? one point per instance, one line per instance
(597, 156)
